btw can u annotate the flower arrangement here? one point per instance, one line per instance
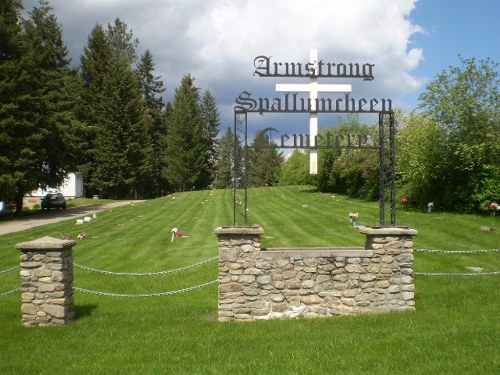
(495, 207)
(174, 232)
(430, 206)
(353, 217)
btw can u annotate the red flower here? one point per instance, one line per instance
(404, 200)
(179, 234)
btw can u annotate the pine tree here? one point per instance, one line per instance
(122, 42)
(37, 120)
(95, 66)
(229, 161)
(120, 141)
(14, 94)
(211, 121)
(117, 121)
(264, 161)
(152, 182)
(185, 154)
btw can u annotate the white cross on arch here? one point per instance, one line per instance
(313, 88)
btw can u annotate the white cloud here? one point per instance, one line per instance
(217, 40)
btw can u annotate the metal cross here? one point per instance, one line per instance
(313, 88)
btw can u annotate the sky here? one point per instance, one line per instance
(216, 41)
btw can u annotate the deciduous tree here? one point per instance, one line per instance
(465, 102)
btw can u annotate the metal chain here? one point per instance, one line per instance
(9, 292)
(167, 293)
(144, 273)
(9, 269)
(456, 274)
(457, 251)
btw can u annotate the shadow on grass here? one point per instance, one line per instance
(82, 311)
(309, 189)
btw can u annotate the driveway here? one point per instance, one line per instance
(54, 216)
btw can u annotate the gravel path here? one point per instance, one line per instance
(54, 216)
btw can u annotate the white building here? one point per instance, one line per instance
(72, 187)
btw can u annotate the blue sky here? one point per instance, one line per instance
(216, 41)
(453, 27)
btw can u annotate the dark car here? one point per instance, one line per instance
(53, 200)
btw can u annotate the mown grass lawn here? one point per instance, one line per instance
(454, 330)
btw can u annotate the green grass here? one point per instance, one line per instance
(454, 330)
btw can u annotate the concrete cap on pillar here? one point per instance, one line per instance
(46, 243)
(253, 230)
(389, 231)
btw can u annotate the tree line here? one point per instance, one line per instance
(105, 118)
(447, 150)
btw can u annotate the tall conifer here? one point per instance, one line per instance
(37, 100)
(264, 161)
(185, 146)
(210, 123)
(152, 182)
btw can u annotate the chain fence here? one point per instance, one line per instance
(165, 272)
(159, 294)
(171, 292)
(9, 269)
(10, 292)
(457, 251)
(456, 274)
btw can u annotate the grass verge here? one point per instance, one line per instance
(454, 329)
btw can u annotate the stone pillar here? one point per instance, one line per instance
(47, 281)
(235, 244)
(392, 266)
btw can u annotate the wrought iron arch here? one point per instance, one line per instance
(386, 127)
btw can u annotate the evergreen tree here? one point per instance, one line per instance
(211, 121)
(95, 65)
(123, 42)
(121, 138)
(14, 101)
(37, 133)
(114, 114)
(185, 153)
(152, 183)
(264, 161)
(229, 160)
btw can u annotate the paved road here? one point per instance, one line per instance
(54, 216)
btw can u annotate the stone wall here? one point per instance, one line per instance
(257, 283)
(46, 281)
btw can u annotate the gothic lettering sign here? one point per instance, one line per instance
(292, 102)
(303, 98)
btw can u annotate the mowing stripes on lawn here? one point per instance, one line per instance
(453, 330)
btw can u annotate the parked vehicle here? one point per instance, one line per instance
(53, 200)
